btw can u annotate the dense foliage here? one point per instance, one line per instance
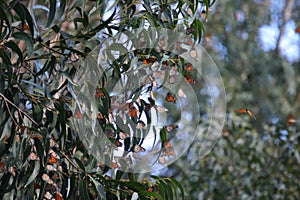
(254, 159)
(41, 47)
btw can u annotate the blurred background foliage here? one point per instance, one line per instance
(254, 159)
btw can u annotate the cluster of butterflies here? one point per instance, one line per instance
(140, 106)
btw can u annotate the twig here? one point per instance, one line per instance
(11, 103)
(287, 11)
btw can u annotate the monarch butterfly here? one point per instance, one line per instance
(123, 135)
(190, 30)
(118, 143)
(170, 128)
(133, 112)
(149, 60)
(247, 112)
(170, 98)
(165, 64)
(169, 152)
(162, 160)
(188, 67)
(167, 144)
(291, 119)
(137, 148)
(78, 114)
(99, 93)
(52, 159)
(109, 133)
(140, 124)
(25, 27)
(33, 156)
(172, 79)
(189, 78)
(114, 165)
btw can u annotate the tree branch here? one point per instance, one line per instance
(287, 12)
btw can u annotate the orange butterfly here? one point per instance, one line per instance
(190, 30)
(52, 159)
(291, 119)
(109, 133)
(123, 135)
(133, 112)
(246, 111)
(149, 60)
(118, 143)
(189, 78)
(114, 165)
(99, 93)
(25, 27)
(167, 144)
(78, 114)
(169, 152)
(177, 45)
(188, 67)
(138, 148)
(170, 98)
(170, 128)
(165, 64)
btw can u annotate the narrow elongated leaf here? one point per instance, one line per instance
(34, 173)
(15, 48)
(98, 28)
(52, 11)
(83, 191)
(20, 8)
(154, 195)
(5, 58)
(5, 14)
(61, 10)
(99, 187)
(27, 39)
(179, 186)
(168, 190)
(80, 164)
(163, 136)
(48, 65)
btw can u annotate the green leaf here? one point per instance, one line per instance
(52, 11)
(22, 10)
(34, 173)
(168, 189)
(83, 191)
(117, 47)
(62, 7)
(27, 39)
(179, 186)
(154, 194)
(99, 187)
(119, 175)
(39, 149)
(5, 14)
(5, 58)
(37, 112)
(80, 164)
(163, 136)
(15, 48)
(98, 28)
(48, 65)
